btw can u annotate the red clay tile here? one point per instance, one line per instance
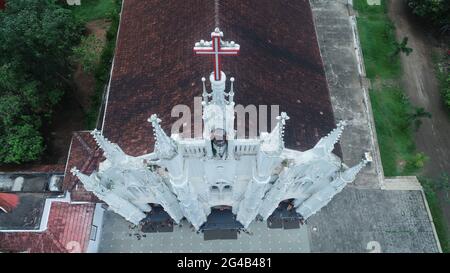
(52, 240)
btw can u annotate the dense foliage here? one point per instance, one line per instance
(443, 73)
(102, 70)
(445, 86)
(36, 41)
(88, 53)
(436, 11)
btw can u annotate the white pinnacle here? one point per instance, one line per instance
(164, 145)
(327, 143)
(111, 150)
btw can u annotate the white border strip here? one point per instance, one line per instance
(97, 221)
(112, 67)
(46, 214)
(368, 104)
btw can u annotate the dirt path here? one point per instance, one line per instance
(421, 85)
(70, 114)
(86, 82)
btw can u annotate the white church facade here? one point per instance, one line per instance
(190, 176)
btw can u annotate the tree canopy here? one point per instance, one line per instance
(435, 11)
(36, 41)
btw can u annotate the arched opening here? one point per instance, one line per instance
(221, 224)
(285, 216)
(157, 220)
(227, 188)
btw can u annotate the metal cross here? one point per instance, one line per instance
(216, 47)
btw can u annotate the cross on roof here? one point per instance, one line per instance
(216, 47)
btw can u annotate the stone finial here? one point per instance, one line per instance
(205, 93)
(165, 147)
(89, 183)
(281, 125)
(111, 151)
(328, 142)
(275, 140)
(74, 171)
(350, 174)
(231, 93)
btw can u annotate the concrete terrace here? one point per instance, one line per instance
(120, 236)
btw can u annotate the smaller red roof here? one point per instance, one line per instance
(86, 156)
(8, 201)
(68, 230)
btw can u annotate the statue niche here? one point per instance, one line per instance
(219, 143)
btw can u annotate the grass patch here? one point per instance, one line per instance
(90, 10)
(393, 113)
(377, 35)
(436, 211)
(391, 108)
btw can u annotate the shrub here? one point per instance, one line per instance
(435, 11)
(87, 53)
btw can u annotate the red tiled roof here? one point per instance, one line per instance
(69, 227)
(155, 68)
(8, 201)
(85, 155)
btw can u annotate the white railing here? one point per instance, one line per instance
(246, 146)
(192, 147)
(197, 148)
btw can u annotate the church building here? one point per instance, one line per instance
(274, 173)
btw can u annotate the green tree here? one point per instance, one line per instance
(416, 162)
(417, 115)
(443, 185)
(435, 11)
(38, 36)
(402, 47)
(446, 90)
(20, 139)
(36, 41)
(22, 142)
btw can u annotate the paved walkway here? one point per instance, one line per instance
(349, 95)
(119, 236)
(371, 220)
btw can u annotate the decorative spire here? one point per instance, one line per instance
(328, 142)
(350, 174)
(89, 183)
(231, 93)
(205, 93)
(281, 125)
(164, 146)
(275, 140)
(111, 150)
